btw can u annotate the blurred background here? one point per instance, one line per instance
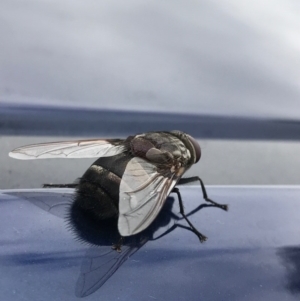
(221, 58)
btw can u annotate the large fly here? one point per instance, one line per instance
(130, 181)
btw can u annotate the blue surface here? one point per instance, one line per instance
(253, 251)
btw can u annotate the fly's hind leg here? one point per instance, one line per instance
(206, 198)
(201, 237)
(73, 185)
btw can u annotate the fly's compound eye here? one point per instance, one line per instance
(196, 147)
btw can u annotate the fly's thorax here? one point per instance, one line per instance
(166, 147)
(139, 146)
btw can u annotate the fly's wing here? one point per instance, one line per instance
(70, 149)
(100, 264)
(143, 191)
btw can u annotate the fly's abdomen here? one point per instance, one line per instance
(93, 215)
(98, 190)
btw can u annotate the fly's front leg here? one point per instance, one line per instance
(206, 198)
(201, 237)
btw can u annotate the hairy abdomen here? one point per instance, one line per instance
(93, 215)
(98, 190)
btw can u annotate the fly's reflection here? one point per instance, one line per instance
(101, 261)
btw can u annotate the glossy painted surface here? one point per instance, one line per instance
(253, 251)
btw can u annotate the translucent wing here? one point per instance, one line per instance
(100, 264)
(143, 191)
(70, 149)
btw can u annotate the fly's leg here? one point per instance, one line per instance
(118, 245)
(201, 237)
(73, 185)
(206, 198)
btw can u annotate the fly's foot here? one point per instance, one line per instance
(224, 207)
(202, 237)
(117, 246)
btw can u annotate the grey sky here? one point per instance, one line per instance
(227, 57)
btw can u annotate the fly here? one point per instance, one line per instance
(130, 181)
